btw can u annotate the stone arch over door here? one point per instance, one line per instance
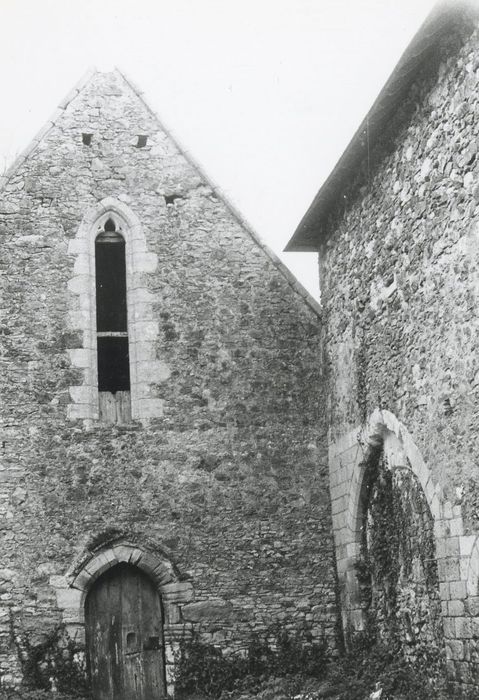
(73, 589)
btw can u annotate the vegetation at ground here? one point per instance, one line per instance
(292, 668)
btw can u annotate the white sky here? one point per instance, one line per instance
(265, 94)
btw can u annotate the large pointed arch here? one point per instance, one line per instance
(145, 369)
(349, 457)
(384, 430)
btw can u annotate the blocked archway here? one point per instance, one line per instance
(397, 571)
(384, 431)
(349, 458)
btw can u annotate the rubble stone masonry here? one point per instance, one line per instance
(400, 286)
(218, 486)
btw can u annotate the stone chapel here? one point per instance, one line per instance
(189, 444)
(163, 461)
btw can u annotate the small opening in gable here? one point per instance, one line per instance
(86, 138)
(141, 143)
(170, 198)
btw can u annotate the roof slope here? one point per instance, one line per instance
(290, 278)
(57, 115)
(446, 20)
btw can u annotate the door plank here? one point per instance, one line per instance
(134, 686)
(124, 626)
(152, 627)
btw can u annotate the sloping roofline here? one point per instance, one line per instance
(76, 90)
(281, 267)
(426, 46)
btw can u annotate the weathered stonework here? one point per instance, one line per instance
(399, 272)
(220, 480)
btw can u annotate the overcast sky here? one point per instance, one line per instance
(265, 94)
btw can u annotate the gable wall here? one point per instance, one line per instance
(229, 476)
(400, 286)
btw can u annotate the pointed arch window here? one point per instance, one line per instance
(112, 325)
(113, 307)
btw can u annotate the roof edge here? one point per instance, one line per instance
(49, 124)
(312, 228)
(281, 267)
(66, 101)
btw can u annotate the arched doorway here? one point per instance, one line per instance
(124, 636)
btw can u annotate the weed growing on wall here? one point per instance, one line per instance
(203, 669)
(397, 572)
(290, 670)
(369, 662)
(53, 664)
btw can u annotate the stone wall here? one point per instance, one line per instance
(222, 476)
(400, 284)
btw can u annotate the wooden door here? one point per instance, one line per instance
(124, 636)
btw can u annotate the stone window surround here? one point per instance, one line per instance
(457, 554)
(145, 369)
(71, 591)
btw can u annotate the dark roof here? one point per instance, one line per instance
(446, 19)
